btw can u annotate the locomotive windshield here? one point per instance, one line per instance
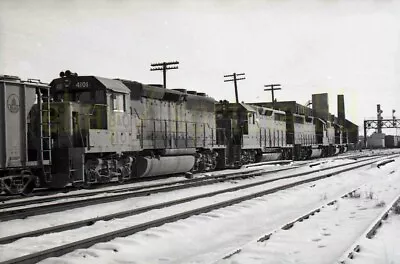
(80, 96)
(77, 90)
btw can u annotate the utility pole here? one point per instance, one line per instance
(164, 66)
(379, 117)
(236, 77)
(272, 89)
(394, 119)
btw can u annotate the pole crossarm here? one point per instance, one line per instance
(272, 88)
(161, 68)
(164, 67)
(164, 63)
(234, 79)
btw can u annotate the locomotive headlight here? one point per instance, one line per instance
(67, 82)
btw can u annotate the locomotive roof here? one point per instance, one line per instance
(250, 108)
(256, 107)
(105, 83)
(114, 85)
(152, 91)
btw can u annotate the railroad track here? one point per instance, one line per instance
(287, 225)
(134, 192)
(95, 189)
(351, 253)
(26, 202)
(85, 243)
(47, 192)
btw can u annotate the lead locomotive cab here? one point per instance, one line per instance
(91, 129)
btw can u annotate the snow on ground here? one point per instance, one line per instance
(28, 245)
(142, 185)
(43, 221)
(122, 189)
(327, 235)
(265, 168)
(199, 175)
(384, 247)
(207, 237)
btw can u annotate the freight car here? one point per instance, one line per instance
(392, 141)
(25, 155)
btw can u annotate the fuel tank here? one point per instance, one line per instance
(271, 156)
(147, 167)
(178, 152)
(316, 153)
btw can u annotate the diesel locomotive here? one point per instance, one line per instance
(83, 130)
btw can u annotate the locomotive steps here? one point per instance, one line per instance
(84, 243)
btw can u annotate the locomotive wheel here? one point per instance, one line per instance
(121, 179)
(28, 188)
(78, 185)
(87, 185)
(201, 167)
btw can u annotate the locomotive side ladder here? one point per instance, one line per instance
(45, 133)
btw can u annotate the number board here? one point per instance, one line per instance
(82, 85)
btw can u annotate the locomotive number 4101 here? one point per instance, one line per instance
(82, 85)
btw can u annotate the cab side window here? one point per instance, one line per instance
(118, 102)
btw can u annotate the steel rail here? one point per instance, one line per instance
(91, 221)
(371, 231)
(124, 189)
(48, 192)
(91, 191)
(290, 224)
(42, 192)
(88, 242)
(51, 208)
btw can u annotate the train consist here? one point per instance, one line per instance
(83, 130)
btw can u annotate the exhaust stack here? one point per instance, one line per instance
(341, 110)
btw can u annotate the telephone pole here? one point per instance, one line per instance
(236, 77)
(164, 66)
(272, 89)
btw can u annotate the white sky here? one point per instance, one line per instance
(335, 46)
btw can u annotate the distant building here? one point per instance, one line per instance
(376, 140)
